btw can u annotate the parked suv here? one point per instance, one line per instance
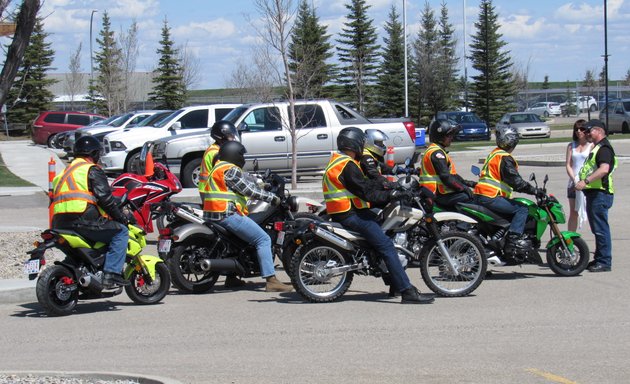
(583, 103)
(122, 148)
(618, 116)
(51, 122)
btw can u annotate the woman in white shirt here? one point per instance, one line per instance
(577, 152)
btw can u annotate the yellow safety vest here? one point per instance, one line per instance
(428, 175)
(590, 165)
(70, 188)
(206, 167)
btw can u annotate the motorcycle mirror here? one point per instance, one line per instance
(407, 162)
(546, 179)
(255, 165)
(532, 177)
(475, 170)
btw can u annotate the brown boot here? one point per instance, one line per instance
(232, 281)
(275, 285)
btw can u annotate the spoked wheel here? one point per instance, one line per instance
(570, 264)
(143, 292)
(289, 249)
(315, 273)
(468, 258)
(185, 265)
(57, 291)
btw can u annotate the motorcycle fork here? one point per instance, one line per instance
(556, 231)
(433, 230)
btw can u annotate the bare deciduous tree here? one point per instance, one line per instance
(190, 65)
(74, 78)
(128, 42)
(255, 83)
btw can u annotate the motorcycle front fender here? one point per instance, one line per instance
(567, 235)
(193, 229)
(149, 262)
(450, 216)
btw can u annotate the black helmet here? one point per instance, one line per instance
(375, 141)
(351, 139)
(87, 146)
(232, 152)
(224, 130)
(506, 137)
(440, 128)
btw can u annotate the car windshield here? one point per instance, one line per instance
(464, 117)
(103, 121)
(151, 120)
(235, 114)
(167, 119)
(121, 120)
(525, 118)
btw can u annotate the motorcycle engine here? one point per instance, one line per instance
(400, 239)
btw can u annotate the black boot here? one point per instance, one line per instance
(516, 242)
(111, 280)
(412, 295)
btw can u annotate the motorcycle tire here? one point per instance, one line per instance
(311, 279)
(185, 272)
(53, 294)
(470, 261)
(559, 265)
(289, 249)
(141, 292)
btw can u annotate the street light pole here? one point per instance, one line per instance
(606, 59)
(465, 66)
(91, 55)
(405, 54)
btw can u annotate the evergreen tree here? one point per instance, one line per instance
(627, 79)
(106, 91)
(492, 89)
(308, 52)
(425, 49)
(589, 82)
(29, 94)
(168, 90)
(358, 53)
(545, 84)
(446, 85)
(391, 81)
(602, 76)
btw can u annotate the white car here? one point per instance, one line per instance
(583, 103)
(545, 109)
(122, 148)
(527, 124)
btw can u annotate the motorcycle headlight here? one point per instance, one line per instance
(293, 204)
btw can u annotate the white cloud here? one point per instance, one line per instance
(133, 8)
(214, 29)
(521, 26)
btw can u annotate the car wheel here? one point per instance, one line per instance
(593, 108)
(546, 114)
(133, 164)
(625, 128)
(190, 173)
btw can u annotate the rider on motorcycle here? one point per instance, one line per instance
(226, 203)
(499, 177)
(347, 192)
(373, 158)
(221, 131)
(437, 169)
(83, 201)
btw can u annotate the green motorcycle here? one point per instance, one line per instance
(79, 275)
(567, 252)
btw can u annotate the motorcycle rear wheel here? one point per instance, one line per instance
(141, 292)
(289, 250)
(312, 278)
(469, 257)
(53, 294)
(559, 264)
(186, 274)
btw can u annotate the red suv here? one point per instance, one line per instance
(51, 122)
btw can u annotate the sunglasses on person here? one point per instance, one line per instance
(582, 129)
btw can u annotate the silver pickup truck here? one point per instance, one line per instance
(265, 133)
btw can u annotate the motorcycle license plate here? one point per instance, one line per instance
(164, 245)
(280, 239)
(31, 267)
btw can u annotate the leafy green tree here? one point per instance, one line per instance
(30, 94)
(168, 90)
(107, 91)
(446, 84)
(602, 77)
(425, 48)
(493, 91)
(545, 84)
(309, 51)
(391, 81)
(358, 53)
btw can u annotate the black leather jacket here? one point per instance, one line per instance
(441, 166)
(510, 176)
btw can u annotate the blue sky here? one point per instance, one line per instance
(558, 38)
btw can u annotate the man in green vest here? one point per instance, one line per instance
(597, 184)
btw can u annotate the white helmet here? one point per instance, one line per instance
(375, 141)
(506, 137)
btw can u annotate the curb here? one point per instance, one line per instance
(97, 376)
(17, 291)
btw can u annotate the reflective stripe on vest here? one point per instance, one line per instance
(219, 195)
(206, 167)
(590, 166)
(490, 183)
(428, 175)
(338, 198)
(70, 188)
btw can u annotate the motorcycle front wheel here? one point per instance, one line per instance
(469, 259)
(57, 291)
(184, 265)
(142, 292)
(568, 265)
(313, 276)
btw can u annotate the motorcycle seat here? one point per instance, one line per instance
(500, 220)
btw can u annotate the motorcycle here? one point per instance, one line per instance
(79, 276)
(328, 256)
(566, 252)
(199, 251)
(157, 184)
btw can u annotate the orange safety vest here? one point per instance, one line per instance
(429, 177)
(206, 167)
(490, 183)
(71, 193)
(219, 195)
(338, 198)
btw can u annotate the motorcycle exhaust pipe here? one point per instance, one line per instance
(182, 213)
(90, 282)
(221, 265)
(334, 239)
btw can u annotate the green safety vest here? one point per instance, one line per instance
(590, 165)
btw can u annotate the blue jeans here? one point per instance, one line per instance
(506, 207)
(247, 229)
(363, 222)
(597, 205)
(116, 235)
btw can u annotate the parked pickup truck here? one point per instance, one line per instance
(265, 133)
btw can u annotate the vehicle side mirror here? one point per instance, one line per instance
(475, 170)
(175, 126)
(546, 179)
(242, 127)
(407, 162)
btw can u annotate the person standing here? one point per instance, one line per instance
(577, 152)
(597, 183)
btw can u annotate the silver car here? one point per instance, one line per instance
(618, 116)
(545, 109)
(527, 124)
